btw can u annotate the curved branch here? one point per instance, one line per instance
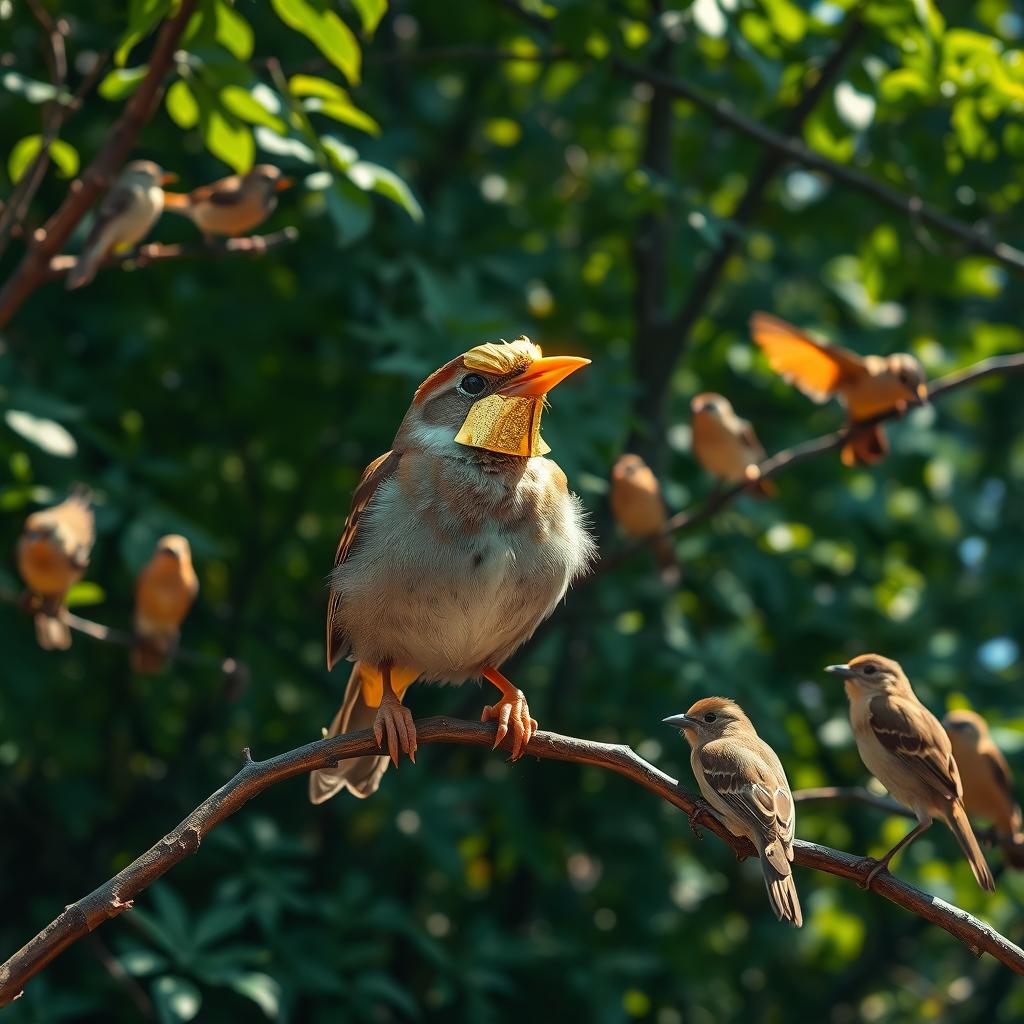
(116, 895)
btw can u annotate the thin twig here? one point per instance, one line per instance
(116, 895)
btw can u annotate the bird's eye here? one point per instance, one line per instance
(869, 670)
(472, 384)
(710, 717)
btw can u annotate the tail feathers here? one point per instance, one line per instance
(178, 202)
(668, 562)
(866, 448)
(52, 632)
(150, 653)
(84, 269)
(778, 880)
(961, 828)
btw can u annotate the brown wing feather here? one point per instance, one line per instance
(373, 476)
(219, 192)
(817, 370)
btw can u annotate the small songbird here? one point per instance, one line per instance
(53, 554)
(234, 205)
(744, 781)
(126, 215)
(726, 445)
(903, 745)
(460, 541)
(987, 781)
(866, 385)
(639, 509)
(164, 593)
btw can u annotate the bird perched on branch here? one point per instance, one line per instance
(867, 386)
(234, 205)
(125, 216)
(53, 554)
(164, 593)
(987, 781)
(743, 780)
(903, 745)
(639, 509)
(460, 541)
(726, 445)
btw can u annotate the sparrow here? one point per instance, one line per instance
(639, 510)
(126, 215)
(52, 556)
(866, 385)
(903, 745)
(165, 591)
(459, 542)
(234, 205)
(987, 781)
(726, 445)
(743, 780)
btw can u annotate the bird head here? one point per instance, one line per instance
(870, 674)
(269, 178)
(490, 398)
(965, 726)
(146, 173)
(910, 375)
(709, 719)
(40, 528)
(711, 403)
(174, 546)
(628, 465)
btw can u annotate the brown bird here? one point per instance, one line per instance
(460, 541)
(53, 554)
(164, 593)
(866, 385)
(726, 445)
(234, 205)
(903, 745)
(639, 509)
(987, 781)
(744, 781)
(124, 218)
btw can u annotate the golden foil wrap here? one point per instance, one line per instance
(502, 357)
(509, 425)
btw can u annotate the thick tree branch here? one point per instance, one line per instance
(116, 895)
(84, 191)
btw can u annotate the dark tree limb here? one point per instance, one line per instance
(117, 894)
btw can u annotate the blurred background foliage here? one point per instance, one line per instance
(454, 189)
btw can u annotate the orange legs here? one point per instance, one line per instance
(511, 712)
(396, 720)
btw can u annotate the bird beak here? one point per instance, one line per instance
(543, 375)
(679, 721)
(922, 393)
(168, 178)
(844, 671)
(282, 183)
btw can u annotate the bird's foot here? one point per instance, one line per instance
(699, 807)
(512, 712)
(395, 719)
(876, 866)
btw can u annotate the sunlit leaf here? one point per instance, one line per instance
(370, 13)
(182, 105)
(45, 434)
(85, 593)
(331, 36)
(233, 32)
(374, 178)
(121, 82)
(175, 999)
(263, 990)
(243, 104)
(143, 16)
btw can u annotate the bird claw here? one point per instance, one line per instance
(396, 720)
(513, 712)
(699, 807)
(876, 867)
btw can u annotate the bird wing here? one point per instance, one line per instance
(221, 193)
(817, 370)
(373, 476)
(913, 734)
(117, 202)
(999, 770)
(751, 441)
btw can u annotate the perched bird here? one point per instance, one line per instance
(726, 445)
(53, 554)
(639, 509)
(987, 781)
(460, 541)
(866, 385)
(744, 781)
(126, 215)
(164, 593)
(903, 745)
(234, 205)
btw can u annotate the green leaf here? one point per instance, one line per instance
(121, 82)
(233, 32)
(243, 104)
(374, 178)
(331, 36)
(263, 990)
(24, 152)
(65, 156)
(343, 110)
(370, 13)
(85, 593)
(341, 156)
(312, 85)
(350, 210)
(175, 999)
(224, 134)
(143, 16)
(182, 105)
(45, 434)
(30, 88)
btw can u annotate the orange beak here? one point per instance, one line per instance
(168, 178)
(543, 375)
(282, 183)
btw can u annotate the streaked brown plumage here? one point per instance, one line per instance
(52, 555)
(866, 385)
(234, 205)
(639, 509)
(903, 745)
(743, 780)
(166, 588)
(726, 445)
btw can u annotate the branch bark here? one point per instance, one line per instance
(117, 894)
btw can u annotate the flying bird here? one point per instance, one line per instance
(165, 591)
(726, 445)
(866, 385)
(234, 205)
(640, 511)
(744, 781)
(987, 781)
(903, 745)
(52, 555)
(126, 215)
(459, 542)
